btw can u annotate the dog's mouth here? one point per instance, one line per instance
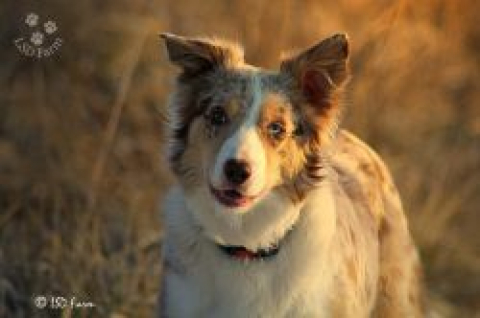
(232, 198)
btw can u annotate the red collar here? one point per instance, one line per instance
(242, 253)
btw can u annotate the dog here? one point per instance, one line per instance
(277, 212)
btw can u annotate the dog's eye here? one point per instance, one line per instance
(276, 130)
(217, 116)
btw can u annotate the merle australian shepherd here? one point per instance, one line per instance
(277, 212)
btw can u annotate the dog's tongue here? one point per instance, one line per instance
(235, 197)
(231, 197)
(243, 254)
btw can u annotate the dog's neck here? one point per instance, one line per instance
(262, 227)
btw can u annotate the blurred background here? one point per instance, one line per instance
(81, 170)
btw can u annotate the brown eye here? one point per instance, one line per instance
(276, 130)
(217, 116)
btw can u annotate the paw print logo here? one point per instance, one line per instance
(31, 20)
(40, 36)
(37, 38)
(50, 27)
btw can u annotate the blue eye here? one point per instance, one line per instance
(276, 130)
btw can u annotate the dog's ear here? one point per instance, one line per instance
(196, 55)
(321, 70)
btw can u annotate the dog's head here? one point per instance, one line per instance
(239, 133)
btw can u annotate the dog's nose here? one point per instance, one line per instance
(237, 171)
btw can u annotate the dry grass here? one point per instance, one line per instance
(80, 136)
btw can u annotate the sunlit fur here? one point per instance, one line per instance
(345, 248)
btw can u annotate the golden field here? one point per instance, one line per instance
(81, 166)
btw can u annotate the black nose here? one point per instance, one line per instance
(237, 171)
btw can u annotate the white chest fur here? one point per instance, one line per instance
(201, 281)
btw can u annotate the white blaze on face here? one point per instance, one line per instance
(245, 144)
